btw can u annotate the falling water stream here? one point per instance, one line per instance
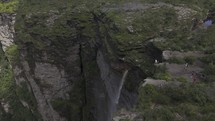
(121, 85)
(113, 84)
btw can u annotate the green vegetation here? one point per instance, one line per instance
(9, 7)
(135, 28)
(71, 108)
(68, 23)
(188, 101)
(12, 53)
(145, 24)
(163, 76)
(192, 3)
(11, 94)
(161, 73)
(190, 60)
(209, 67)
(176, 60)
(182, 79)
(67, 109)
(161, 114)
(6, 77)
(204, 39)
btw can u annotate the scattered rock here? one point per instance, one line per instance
(25, 104)
(5, 105)
(155, 82)
(130, 29)
(157, 39)
(184, 12)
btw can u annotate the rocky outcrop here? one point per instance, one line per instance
(6, 39)
(44, 107)
(7, 22)
(53, 79)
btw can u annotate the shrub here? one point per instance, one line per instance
(161, 73)
(159, 114)
(146, 95)
(164, 76)
(187, 100)
(12, 53)
(182, 79)
(189, 60)
(208, 108)
(176, 60)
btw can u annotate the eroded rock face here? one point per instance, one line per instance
(44, 106)
(53, 81)
(7, 22)
(6, 37)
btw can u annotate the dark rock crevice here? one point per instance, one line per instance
(154, 52)
(83, 110)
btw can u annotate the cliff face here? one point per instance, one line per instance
(66, 67)
(73, 64)
(7, 22)
(72, 67)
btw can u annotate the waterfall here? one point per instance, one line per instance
(110, 93)
(120, 85)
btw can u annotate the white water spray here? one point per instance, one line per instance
(120, 86)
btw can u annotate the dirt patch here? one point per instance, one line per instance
(177, 54)
(189, 72)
